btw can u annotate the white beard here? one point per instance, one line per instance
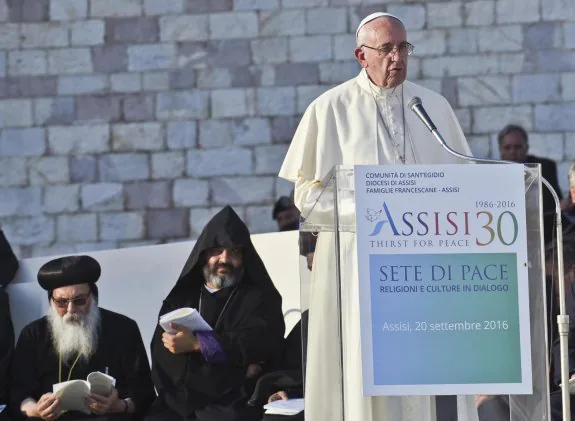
(75, 334)
(221, 281)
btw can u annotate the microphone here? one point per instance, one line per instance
(417, 107)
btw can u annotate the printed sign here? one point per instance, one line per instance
(442, 265)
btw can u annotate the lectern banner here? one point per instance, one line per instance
(443, 279)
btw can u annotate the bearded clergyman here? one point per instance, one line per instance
(74, 339)
(206, 375)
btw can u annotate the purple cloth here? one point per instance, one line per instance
(211, 348)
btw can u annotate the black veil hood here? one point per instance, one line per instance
(227, 230)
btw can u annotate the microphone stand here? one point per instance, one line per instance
(563, 318)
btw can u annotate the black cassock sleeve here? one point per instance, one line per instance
(24, 382)
(258, 333)
(136, 382)
(6, 345)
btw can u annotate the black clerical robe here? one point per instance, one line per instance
(6, 345)
(247, 324)
(120, 352)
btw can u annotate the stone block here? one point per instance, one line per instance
(429, 42)
(82, 84)
(9, 36)
(115, 8)
(569, 146)
(110, 58)
(493, 119)
(181, 135)
(310, 49)
(449, 90)
(229, 103)
(68, 9)
(35, 231)
(326, 21)
(229, 53)
(307, 94)
(555, 117)
(124, 167)
(83, 169)
(569, 35)
(479, 12)
(507, 11)
(462, 65)
(188, 192)
(536, 88)
(549, 145)
(412, 16)
(27, 62)
(168, 165)
(283, 128)
(184, 78)
(98, 108)
(22, 142)
(215, 134)
(541, 36)
(305, 3)
(172, 223)
(74, 140)
(144, 195)
(49, 170)
(251, 131)
(289, 74)
(464, 117)
(151, 57)
(444, 15)
(568, 86)
(484, 90)
(344, 46)
(135, 30)
(230, 161)
(501, 38)
(269, 50)
(137, 137)
(137, 243)
(259, 219)
(16, 113)
(165, 7)
(558, 10)
(29, 10)
(2, 64)
(338, 72)
(24, 201)
(209, 6)
(249, 76)
(553, 61)
(276, 101)
(87, 33)
(282, 22)
(182, 104)
(32, 86)
(61, 199)
(242, 190)
(156, 81)
(283, 188)
(79, 227)
(243, 5)
(126, 82)
(44, 35)
(184, 28)
(121, 226)
(461, 41)
(213, 78)
(138, 108)
(269, 159)
(13, 172)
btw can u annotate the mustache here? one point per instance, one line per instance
(227, 266)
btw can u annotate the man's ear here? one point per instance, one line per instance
(572, 194)
(360, 56)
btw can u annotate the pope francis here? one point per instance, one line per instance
(362, 121)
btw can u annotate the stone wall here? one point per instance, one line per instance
(127, 122)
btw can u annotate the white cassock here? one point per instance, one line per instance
(346, 126)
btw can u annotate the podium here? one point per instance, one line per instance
(332, 344)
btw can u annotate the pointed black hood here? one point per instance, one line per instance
(227, 230)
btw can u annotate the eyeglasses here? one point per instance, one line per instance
(64, 302)
(404, 49)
